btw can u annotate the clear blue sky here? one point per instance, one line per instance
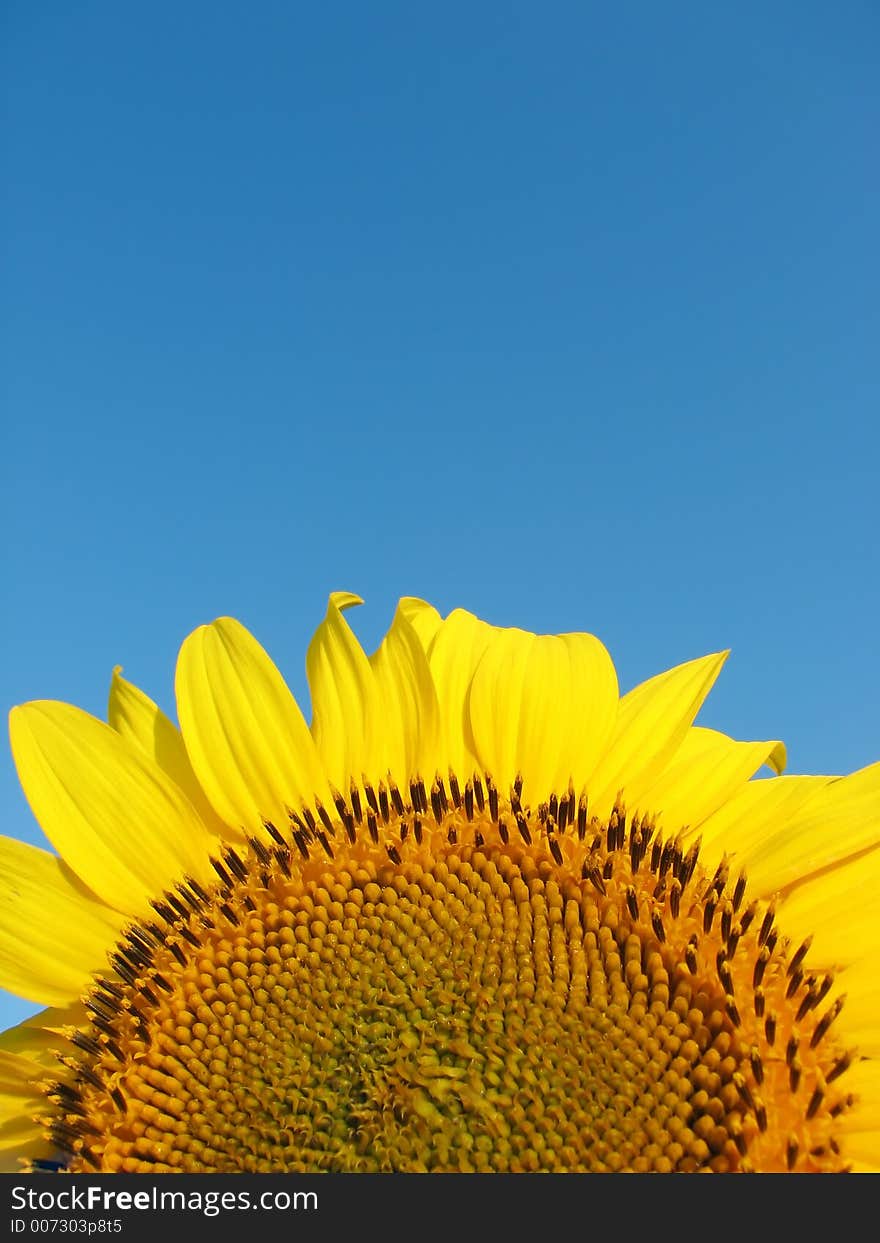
(563, 312)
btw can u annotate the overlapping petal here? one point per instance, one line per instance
(423, 617)
(840, 909)
(454, 653)
(348, 724)
(861, 1126)
(706, 771)
(741, 825)
(21, 1102)
(140, 721)
(121, 824)
(408, 699)
(652, 723)
(378, 715)
(28, 1058)
(838, 820)
(54, 933)
(245, 735)
(542, 706)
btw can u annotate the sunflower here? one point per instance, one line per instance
(483, 914)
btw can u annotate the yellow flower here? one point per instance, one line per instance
(483, 914)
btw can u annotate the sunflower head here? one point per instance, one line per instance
(482, 913)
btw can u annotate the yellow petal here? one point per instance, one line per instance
(119, 822)
(42, 1036)
(20, 1101)
(410, 711)
(53, 933)
(706, 771)
(347, 720)
(652, 723)
(245, 736)
(860, 1126)
(21, 1143)
(841, 818)
(741, 825)
(840, 909)
(494, 707)
(138, 720)
(859, 1022)
(423, 617)
(18, 1077)
(454, 653)
(28, 1058)
(542, 706)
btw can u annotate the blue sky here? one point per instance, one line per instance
(566, 313)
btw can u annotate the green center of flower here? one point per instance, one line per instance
(456, 986)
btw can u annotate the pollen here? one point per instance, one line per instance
(447, 979)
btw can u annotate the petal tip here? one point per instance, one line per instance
(343, 600)
(19, 715)
(778, 758)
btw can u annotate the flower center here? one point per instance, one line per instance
(456, 984)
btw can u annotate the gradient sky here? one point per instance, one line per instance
(566, 313)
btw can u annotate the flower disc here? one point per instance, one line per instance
(465, 988)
